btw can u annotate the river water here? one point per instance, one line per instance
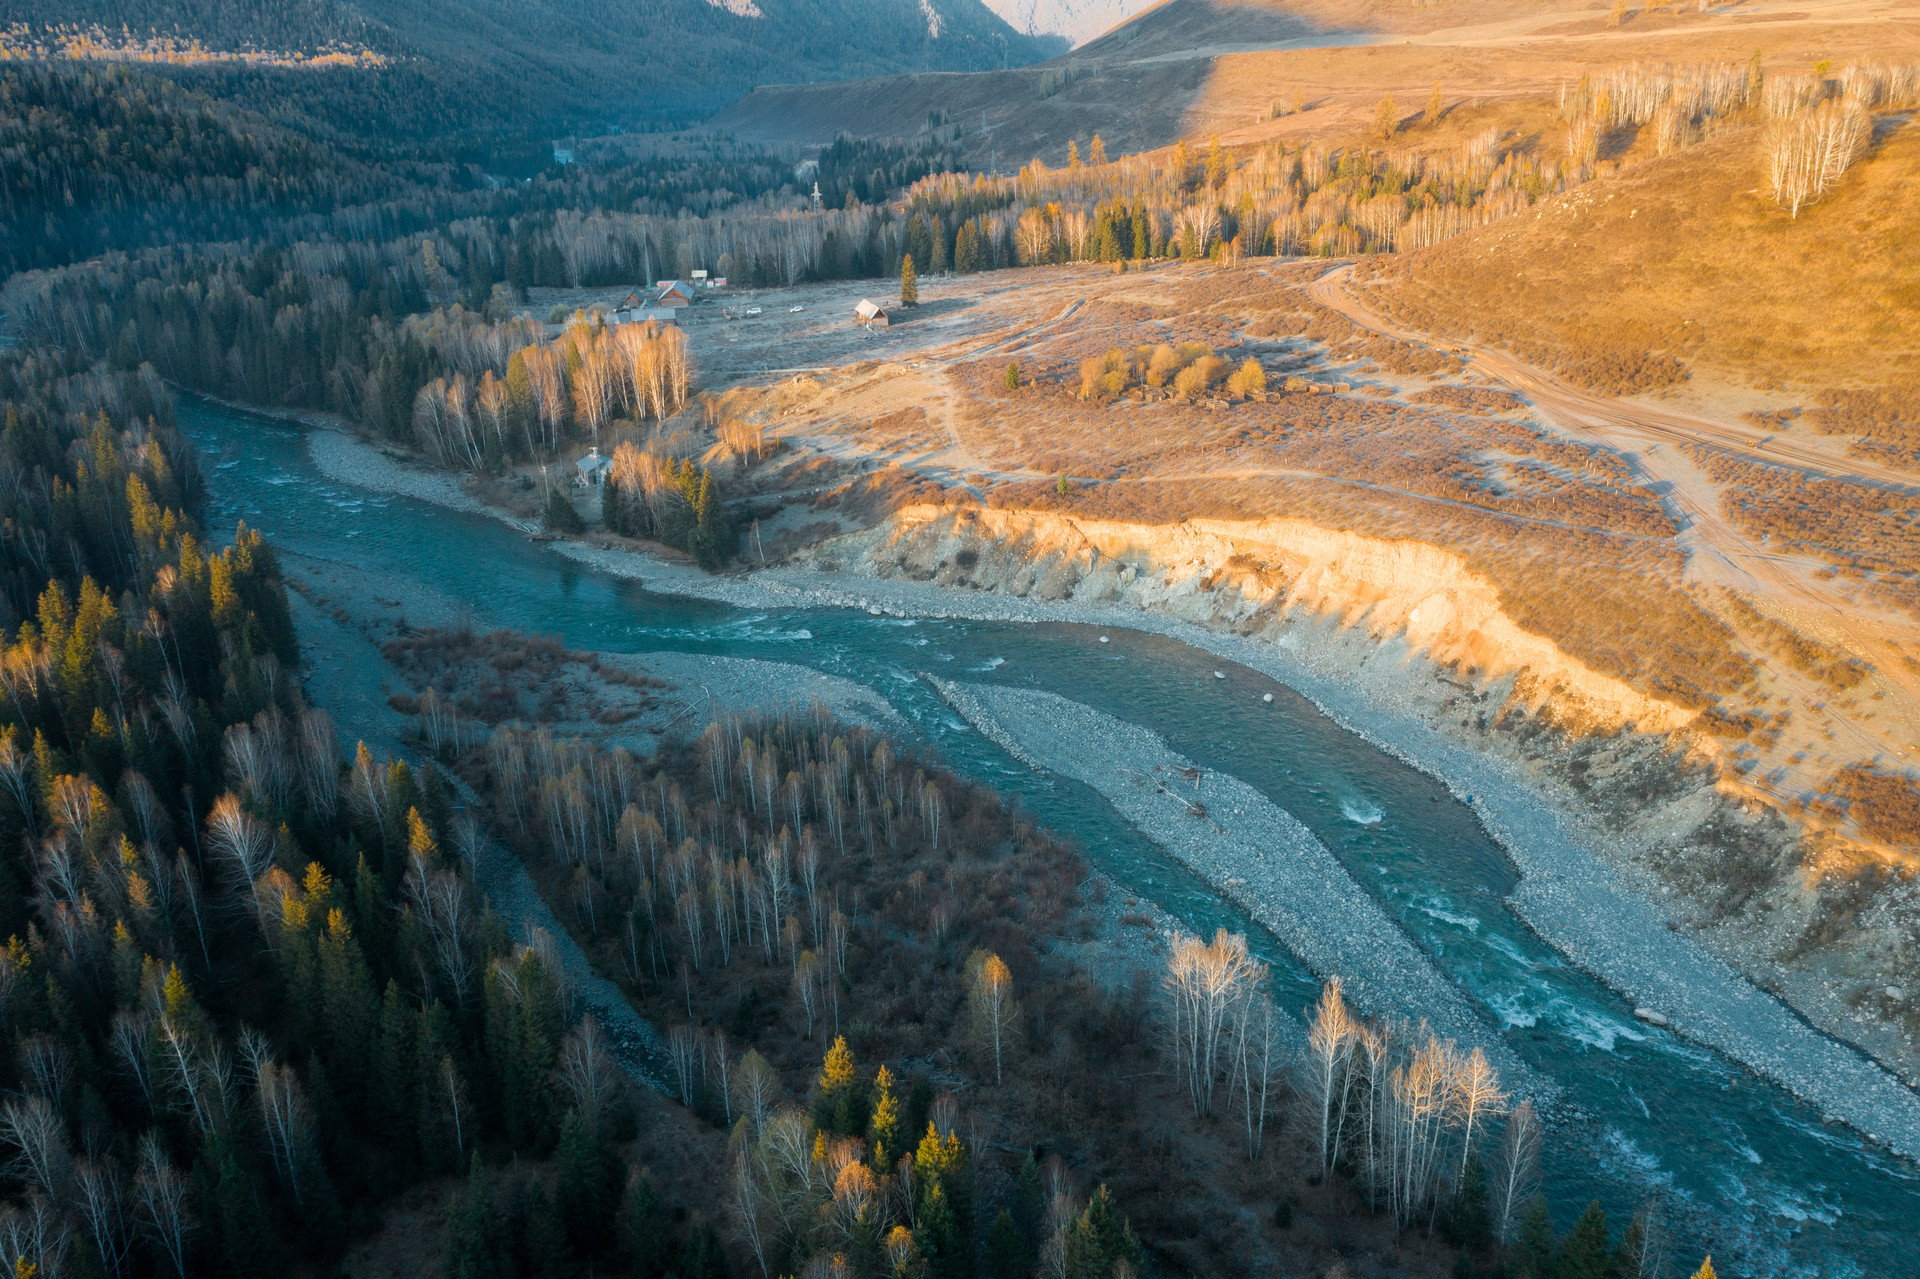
(1736, 1164)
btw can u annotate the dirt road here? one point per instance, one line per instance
(1718, 553)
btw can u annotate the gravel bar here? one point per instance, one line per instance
(1256, 853)
(1568, 894)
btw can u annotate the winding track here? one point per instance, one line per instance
(1622, 423)
(1718, 551)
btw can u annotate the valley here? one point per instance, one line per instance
(1378, 815)
(780, 638)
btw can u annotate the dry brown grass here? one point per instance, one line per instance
(1885, 420)
(1808, 656)
(1885, 806)
(1622, 284)
(1870, 534)
(506, 675)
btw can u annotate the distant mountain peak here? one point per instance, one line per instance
(1077, 20)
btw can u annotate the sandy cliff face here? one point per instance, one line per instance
(1273, 575)
(1413, 628)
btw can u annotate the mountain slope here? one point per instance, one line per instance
(1687, 255)
(544, 64)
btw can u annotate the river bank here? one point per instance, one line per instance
(1568, 894)
(1251, 850)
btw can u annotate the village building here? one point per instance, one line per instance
(870, 314)
(593, 468)
(633, 309)
(673, 293)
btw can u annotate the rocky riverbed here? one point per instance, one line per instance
(1569, 894)
(1254, 852)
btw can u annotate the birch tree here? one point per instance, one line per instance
(160, 1196)
(1325, 1071)
(990, 995)
(1516, 1169)
(1204, 982)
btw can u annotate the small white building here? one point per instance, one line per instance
(593, 468)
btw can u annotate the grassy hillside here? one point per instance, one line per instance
(1192, 68)
(1686, 255)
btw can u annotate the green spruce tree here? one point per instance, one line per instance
(560, 516)
(1585, 1253)
(473, 1238)
(649, 1249)
(1099, 1237)
(1534, 1248)
(1007, 1255)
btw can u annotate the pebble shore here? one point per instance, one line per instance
(1253, 851)
(1568, 894)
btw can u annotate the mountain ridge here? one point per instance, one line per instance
(533, 65)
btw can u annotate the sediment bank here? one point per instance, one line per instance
(1569, 894)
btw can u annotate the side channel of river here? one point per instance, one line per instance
(1738, 1164)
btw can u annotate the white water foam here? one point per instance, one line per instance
(1468, 922)
(1509, 1007)
(1362, 812)
(1595, 1029)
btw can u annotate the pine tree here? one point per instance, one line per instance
(393, 1070)
(548, 1253)
(1627, 1258)
(473, 1242)
(1098, 1238)
(1585, 1254)
(1386, 119)
(941, 1236)
(348, 1009)
(1007, 1255)
(1705, 1271)
(1029, 1199)
(560, 515)
(584, 1184)
(649, 1248)
(840, 1103)
(883, 1129)
(943, 1163)
(524, 1029)
(443, 1120)
(909, 283)
(239, 1219)
(1431, 115)
(1535, 1245)
(1013, 377)
(831, 1090)
(702, 1258)
(705, 538)
(1467, 1222)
